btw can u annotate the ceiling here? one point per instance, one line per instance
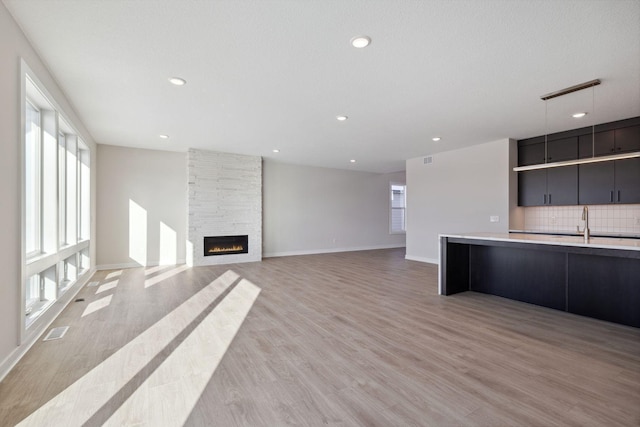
(264, 75)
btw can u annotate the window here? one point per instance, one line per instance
(56, 200)
(32, 150)
(398, 205)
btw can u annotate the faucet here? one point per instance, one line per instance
(585, 217)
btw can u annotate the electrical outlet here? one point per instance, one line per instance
(494, 218)
(638, 220)
(553, 220)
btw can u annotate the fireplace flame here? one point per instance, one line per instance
(218, 249)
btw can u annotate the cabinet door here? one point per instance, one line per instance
(596, 183)
(532, 188)
(532, 154)
(605, 288)
(627, 181)
(604, 143)
(562, 149)
(562, 185)
(627, 139)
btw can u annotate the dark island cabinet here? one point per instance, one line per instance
(606, 288)
(548, 187)
(609, 182)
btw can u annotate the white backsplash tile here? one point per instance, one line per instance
(602, 218)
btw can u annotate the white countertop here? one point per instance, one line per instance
(546, 239)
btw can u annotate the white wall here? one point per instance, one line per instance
(133, 234)
(458, 193)
(312, 210)
(13, 46)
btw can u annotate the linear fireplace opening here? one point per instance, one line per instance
(226, 245)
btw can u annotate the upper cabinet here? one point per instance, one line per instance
(595, 183)
(610, 142)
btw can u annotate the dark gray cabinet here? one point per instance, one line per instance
(609, 182)
(531, 154)
(606, 288)
(596, 183)
(596, 282)
(562, 149)
(601, 142)
(546, 187)
(616, 141)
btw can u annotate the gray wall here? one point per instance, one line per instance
(311, 210)
(458, 193)
(13, 46)
(156, 181)
(304, 208)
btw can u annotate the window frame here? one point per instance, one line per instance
(394, 208)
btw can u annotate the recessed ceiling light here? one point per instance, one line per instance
(177, 81)
(275, 150)
(436, 138)
(360, 41)
(579, 115)
(352, 160)
(342, 118)
(164, 136)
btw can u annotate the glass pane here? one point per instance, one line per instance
(397, 220)
(71, 193)
(32, 179)
(32, 292)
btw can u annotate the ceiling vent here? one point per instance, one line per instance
(428, 160)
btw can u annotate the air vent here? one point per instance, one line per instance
(56, 333)
(428, 160)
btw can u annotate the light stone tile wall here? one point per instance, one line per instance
(225, 198)
(623, 219)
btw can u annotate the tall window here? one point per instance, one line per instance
(57, 200)
(398, 208)
(32, 168)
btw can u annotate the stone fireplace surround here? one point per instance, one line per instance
(225, 199)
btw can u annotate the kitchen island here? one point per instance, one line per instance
(599, 278)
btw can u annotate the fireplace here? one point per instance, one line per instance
(226, 245)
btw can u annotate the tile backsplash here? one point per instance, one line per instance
(624, 219)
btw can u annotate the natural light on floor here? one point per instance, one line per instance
(163, 276)
(97, 305)
(168, 394)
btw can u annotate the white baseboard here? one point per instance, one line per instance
(40, 325)
(132, 265)
(329, 251)
(422, 259)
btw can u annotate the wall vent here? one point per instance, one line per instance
(428, 160)
(56, 333)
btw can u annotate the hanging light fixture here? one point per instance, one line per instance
(593, 159)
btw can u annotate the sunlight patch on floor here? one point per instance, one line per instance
(97, 305)
(107, 286)
(168, 396)
(81, 400)
(160, 277)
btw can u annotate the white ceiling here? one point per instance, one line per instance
(267, 74)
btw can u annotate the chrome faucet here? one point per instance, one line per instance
(585, 217)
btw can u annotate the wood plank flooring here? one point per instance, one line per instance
(347, 339)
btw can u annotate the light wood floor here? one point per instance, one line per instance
(349, 339)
